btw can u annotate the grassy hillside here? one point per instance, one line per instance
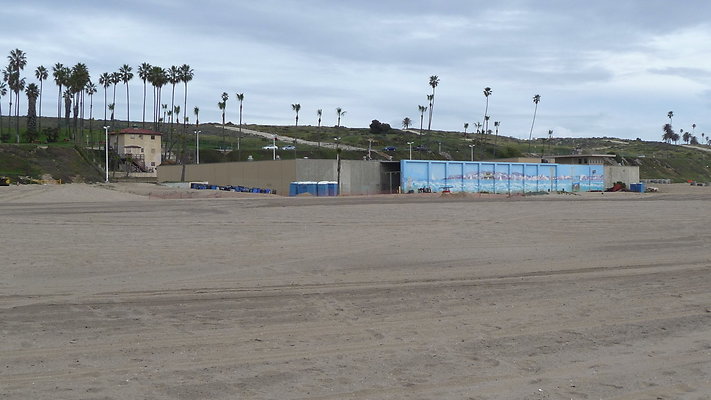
(45, 162)
(655, 159)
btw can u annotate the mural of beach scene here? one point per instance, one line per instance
(499, 177)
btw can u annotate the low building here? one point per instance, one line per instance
(586, 159)
(139, 150)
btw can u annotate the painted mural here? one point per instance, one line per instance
(495, 177)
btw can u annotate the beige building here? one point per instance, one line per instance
(141, 148)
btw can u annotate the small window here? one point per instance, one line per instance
(153, 137)
(141, 149)
(153, 164)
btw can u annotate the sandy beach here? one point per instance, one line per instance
(126, 291)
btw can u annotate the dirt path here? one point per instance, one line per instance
(290, 140)
(391, 297)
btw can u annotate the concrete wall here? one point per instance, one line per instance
(275, 175)
(361, 177)
(628, 175)
(357, 177)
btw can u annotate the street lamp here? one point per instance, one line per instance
(410, 144)
(338, 165)
(197, 147)
(274, 147)
(106, 151)
(370, 146)
(472, 146)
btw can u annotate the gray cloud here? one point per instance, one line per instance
(603, 68)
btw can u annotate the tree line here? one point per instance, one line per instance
(74, 84)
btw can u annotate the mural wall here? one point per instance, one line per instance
(494, 177)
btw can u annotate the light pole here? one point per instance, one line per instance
(106, 151)
(472, 146)
(197, 147)
(274, 147)
(410, 145)
(338, 165)
(370, 146)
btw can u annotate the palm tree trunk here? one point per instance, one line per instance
(40, 106)
(17, 114)
(91, 114)
(128, 108)
(59, 109)
(530, 134)
(185, 107)
(143, 124)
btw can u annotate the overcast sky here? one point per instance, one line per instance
(602, 68)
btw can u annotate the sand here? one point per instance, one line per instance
(115, 292)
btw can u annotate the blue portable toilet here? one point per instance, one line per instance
(293, 188)
(333, 188)
(312, 188)
(323, 188)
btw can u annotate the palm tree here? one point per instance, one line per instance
(157, 77)
(115, 79)
(127, 75)
(296, 107)
(319, 113)
(173, 79)
(222, 105)
(176, 112)
(105, 82)
(41, 74)
(18, 61)
(32, 92)
(91, 90)
(3, 93)
(422, 110)
(78, 79)
(7, 81)
(111, 108)
(58, 73)
(670, 114)
(16, 85)
(240, 98)
(434, 81)
(487, 93)
(143, 70)
(536, 100)
(339, 113)
(686, 136)
(186, 75)
(466, 126)
(196, 111)
(668, 134)
(406, 122)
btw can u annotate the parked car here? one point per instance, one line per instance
(270, 147)
(289, 147)
(421, 148)
(389, 148)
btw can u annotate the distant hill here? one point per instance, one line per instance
(655, 159)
